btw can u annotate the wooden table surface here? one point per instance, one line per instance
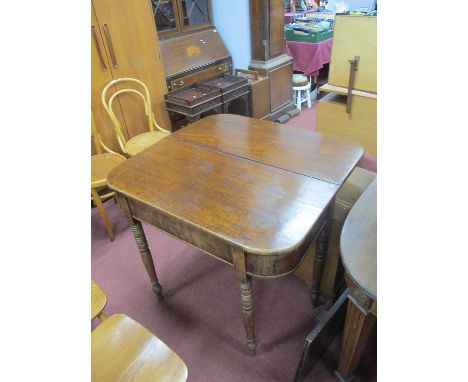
(359, 242)
(290, 148)
(252, 193)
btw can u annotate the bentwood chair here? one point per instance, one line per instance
(124, 350)
(140, 142)
(101, 165)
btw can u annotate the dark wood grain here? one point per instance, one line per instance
(258, 215)
(262, 209)
(276, 46)
(281, 86)
(286, 147)
(268, 57)
(358, 326)
(194, 50)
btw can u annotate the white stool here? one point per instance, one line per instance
(300, 84)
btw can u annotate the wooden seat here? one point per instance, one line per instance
(101, 165)
(124, 350)
(140, 142)
(98, 302)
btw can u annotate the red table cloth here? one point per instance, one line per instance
(309, 57)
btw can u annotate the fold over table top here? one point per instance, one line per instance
(254, 184)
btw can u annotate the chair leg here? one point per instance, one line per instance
(100, 207)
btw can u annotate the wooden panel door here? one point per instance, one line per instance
(354, 36)
(280, 86)
(132, 43)
(100, 75)
(276, 28)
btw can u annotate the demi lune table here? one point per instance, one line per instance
(359, 255)
(252, 193)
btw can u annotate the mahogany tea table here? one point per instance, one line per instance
(359, 256)
(252, 193)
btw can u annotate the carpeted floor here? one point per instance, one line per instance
(200, 318)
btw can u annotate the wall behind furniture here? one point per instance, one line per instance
(232, 20)
(352, 5)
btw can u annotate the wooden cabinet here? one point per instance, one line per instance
(124, 43)
(354, 36)
(192, 57)
(350, 108)
(268, 57)
(176, 16)
(359, 126)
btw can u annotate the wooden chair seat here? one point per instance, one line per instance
(101, 165)
(124, 350)
(142, 141)
(98, 301)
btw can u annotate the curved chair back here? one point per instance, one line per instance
(144, 95)
(97, 140)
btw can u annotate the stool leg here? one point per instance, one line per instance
(309, 102)
(298, 100)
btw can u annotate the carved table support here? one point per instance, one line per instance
(321, 243)
(246, 298)
(360, 320)
(143, 248)
(146, 257)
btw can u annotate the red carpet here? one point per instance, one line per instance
(200, 317)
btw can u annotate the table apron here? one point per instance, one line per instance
(258, 265)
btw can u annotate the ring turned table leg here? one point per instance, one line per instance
(146, 257)
(246, 299)
(321, 247)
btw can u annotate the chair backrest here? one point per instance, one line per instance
(95, 136)
(143, 94)
(97, 140)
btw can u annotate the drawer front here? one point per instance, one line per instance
(360, 126)
(190, 79)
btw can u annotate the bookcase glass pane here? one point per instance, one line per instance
(164, 15)
(195, 12)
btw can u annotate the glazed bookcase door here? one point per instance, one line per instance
(194, 14)
(165, 16)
